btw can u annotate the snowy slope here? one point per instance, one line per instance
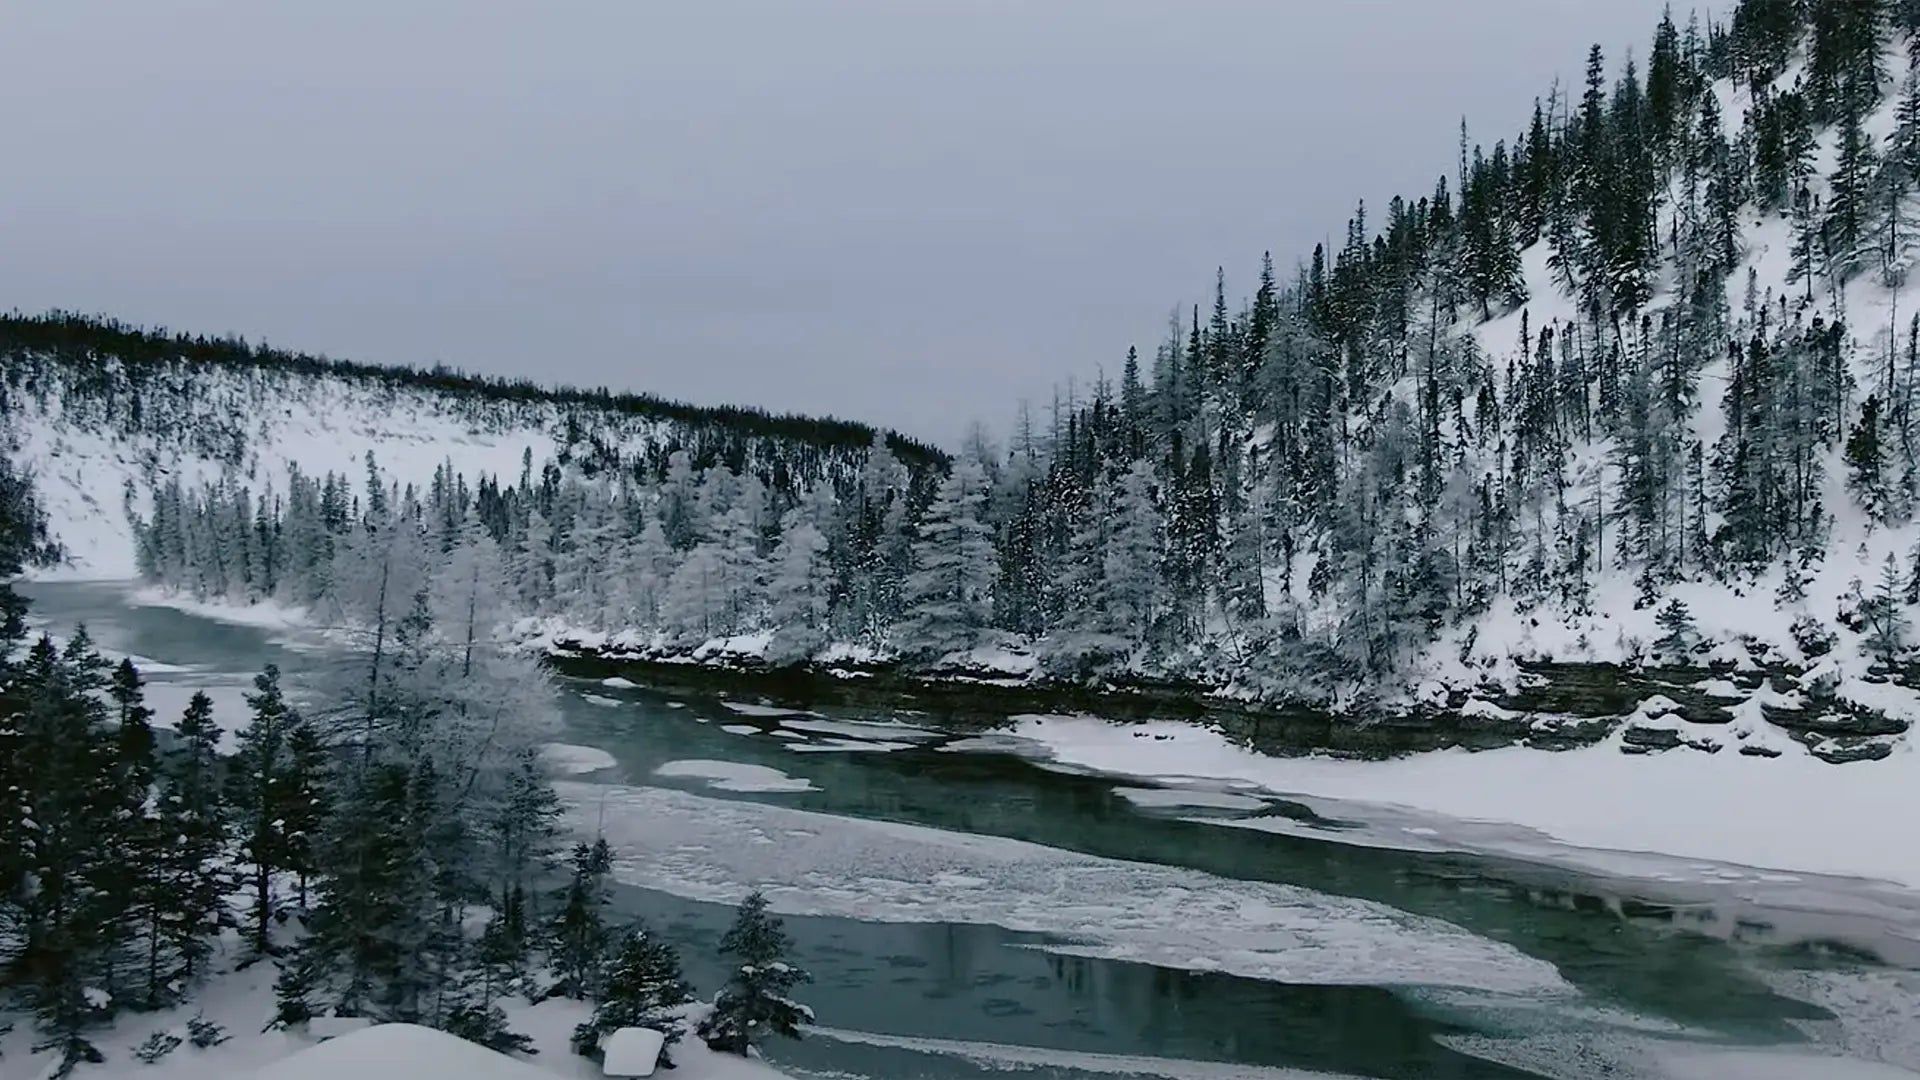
(81, 469)
(1743, 620)
(241, 1002)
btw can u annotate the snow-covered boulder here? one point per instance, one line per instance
(632, 1051)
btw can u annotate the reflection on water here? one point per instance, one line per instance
(986, 985)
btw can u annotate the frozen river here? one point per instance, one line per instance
(968, 908)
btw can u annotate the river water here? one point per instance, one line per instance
(968, 910)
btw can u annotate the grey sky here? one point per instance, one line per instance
(914, 212)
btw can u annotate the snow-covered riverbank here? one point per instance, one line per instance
(1793, 814)
(1788, 814)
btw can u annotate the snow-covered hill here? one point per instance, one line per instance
(1638, 389)
(108, 420)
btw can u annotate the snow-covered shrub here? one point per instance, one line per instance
(1813, 637)
(205, 1033)
(158, 1045)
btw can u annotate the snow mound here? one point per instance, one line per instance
(571, 760)
(633, 1051)
(394, 1051)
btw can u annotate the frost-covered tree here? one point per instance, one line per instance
(649, 567)
(1133, 552)
(697, 605)
(1083, 640)
(533, 562)
(949, 595)
(799, 591)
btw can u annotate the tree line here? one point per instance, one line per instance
(137, 381)
(1304, 490)
(395, 848)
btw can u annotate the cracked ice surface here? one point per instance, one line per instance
(809, 863)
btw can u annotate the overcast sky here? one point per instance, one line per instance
(915, 212)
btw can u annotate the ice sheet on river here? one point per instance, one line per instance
(762, 711)
(736, 776)
(818, 864)
(1002, 1057)
(862, 729)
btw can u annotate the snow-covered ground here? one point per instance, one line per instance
(1790, 814)
(264, 614)
(242, 1002)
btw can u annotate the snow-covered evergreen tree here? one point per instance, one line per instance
(949, 595)
(258, 792)
(798, 591)
(756, 1001)
(643, 988)
(579, 930)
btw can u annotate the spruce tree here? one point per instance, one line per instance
(258, 791)
(1885, 614)
(755, 1002)
(192, 822)
(1866, 461)
(1678, 632)
(643, 988)
(578, 935)
(949, 596)
(139, 846)
(68, 799)
(305, 798)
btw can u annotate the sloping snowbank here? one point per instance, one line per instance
(570, 760)
(399, 1050)
(410, 1052)
(242, 1002)
(1793, 813)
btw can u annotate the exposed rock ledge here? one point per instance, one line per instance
(1559, 706)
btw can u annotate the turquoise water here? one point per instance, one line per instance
(927, 997)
